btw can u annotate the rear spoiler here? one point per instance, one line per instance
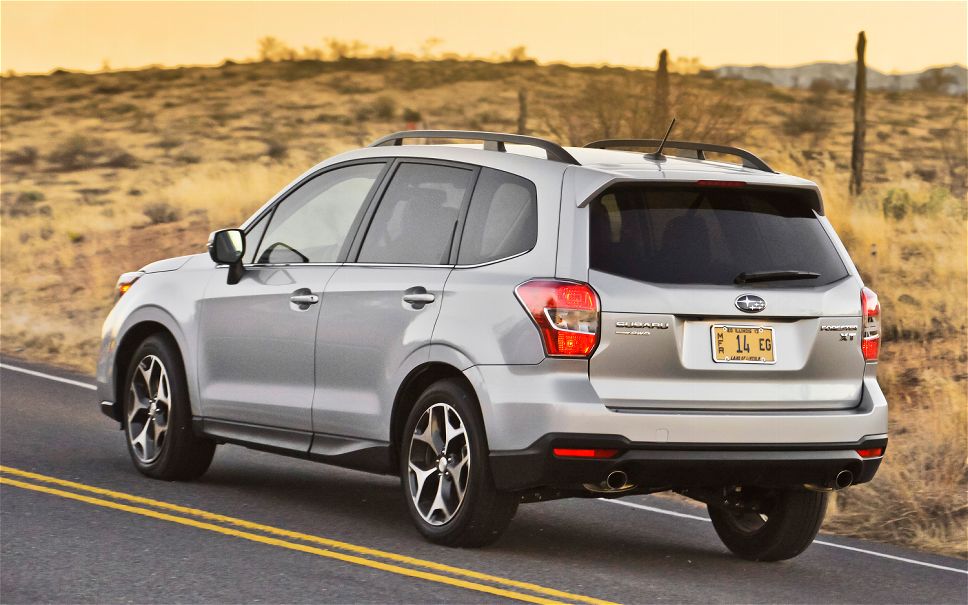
(587, 183)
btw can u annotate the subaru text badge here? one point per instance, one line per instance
(750, 303)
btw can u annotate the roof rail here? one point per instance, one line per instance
(555, 151)
(749, 160)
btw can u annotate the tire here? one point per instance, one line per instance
(793, 518)
(159, 433)
(456, 503)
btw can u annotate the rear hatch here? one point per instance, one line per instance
(721, 297)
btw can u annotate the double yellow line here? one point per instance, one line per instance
(306, 543)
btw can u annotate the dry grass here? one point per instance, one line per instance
(211, 145)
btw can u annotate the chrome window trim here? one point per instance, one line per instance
(421, 265)
(491, 262)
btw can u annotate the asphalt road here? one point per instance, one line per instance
(79, 524)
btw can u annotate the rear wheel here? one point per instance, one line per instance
(157, 415)
(770, 526)
(444, 470)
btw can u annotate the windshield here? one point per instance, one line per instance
(712, 235)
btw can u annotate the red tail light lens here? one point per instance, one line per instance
(564, 452)
(875, 452)
(566, 314)
(870, 343)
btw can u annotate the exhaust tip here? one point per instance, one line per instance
(844, 479)
(616, 480)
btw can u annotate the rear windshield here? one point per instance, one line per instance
(708, 235)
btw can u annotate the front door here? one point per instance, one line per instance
(257, 337)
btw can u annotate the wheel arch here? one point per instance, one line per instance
(128, 344)
(415, 383)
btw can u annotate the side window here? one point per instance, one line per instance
(311, 225)
(252, 237)
(414, 223)
(502, 220)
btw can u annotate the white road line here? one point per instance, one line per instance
(76, 383)
(671, 513)
(650, 509)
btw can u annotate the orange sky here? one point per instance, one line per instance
(903, 36)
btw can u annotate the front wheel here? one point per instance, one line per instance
(445, 473)
(781, 524)
(157, 415)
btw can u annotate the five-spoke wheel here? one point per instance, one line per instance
(149, 408)
(440, 464)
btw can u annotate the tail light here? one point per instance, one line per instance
(565, 452)
(125, 282)
(874, 452)
(566, 314)
(870, 343)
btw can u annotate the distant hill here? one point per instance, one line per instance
(952, 79)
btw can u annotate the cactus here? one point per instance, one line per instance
(660, 111)
(522, 111)
(860, 120)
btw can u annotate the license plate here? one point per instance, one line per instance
(743, 344)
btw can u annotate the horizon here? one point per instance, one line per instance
(84, 36)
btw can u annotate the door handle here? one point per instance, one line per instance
(418, 296)
(304, 299)
(423, 299)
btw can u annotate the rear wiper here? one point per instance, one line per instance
(745, 278)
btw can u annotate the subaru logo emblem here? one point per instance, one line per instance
(750, 303)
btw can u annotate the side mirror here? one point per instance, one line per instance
(226, 247)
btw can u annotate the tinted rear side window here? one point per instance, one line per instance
(690, 235)
(502, 220)
(415, 221)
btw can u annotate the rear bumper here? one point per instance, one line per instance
(522, 404)
(675, 466)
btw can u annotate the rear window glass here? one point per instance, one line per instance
(502, 220)
(708, 235)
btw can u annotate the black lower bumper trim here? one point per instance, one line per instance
(675, 466)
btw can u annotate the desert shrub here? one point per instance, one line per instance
(348, 86)
(25, 156)
(300, 70)
(412, 115)
(161, 212)
(110, 88)
(807, 119)
(896, 204)
(25, 204)
(188, 158)
(384, 107)
(276, 149)
(76, 153)
(79, 152)
(75, 237)
(120, 109)
(167, 143)
(899, 203)
(926, 173)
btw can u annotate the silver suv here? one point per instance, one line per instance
(512, 321)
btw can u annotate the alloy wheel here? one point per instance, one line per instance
(149, 409)
(439, 464)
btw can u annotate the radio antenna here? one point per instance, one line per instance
(657, 155)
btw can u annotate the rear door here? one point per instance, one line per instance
(721, 298)
(379, 312)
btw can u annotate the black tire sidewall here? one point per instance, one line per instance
(451, 393)
(789, 530)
